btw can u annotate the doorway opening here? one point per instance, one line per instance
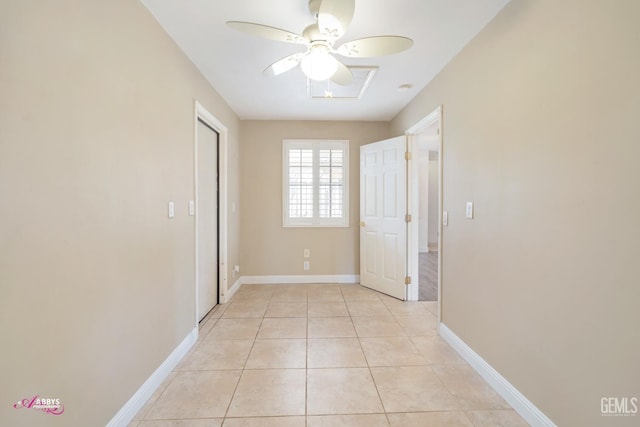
(426, 152)
(425, 178)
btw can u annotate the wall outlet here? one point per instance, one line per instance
(307, 253)
(306, 265)
(469, 210)
(236, 269)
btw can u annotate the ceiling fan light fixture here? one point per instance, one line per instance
(318, 64)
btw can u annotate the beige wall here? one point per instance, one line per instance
(267, 247)
(540, 130)
(96, 135)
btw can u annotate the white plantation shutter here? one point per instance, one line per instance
(300, 183)
(315, 183)
(330, 183)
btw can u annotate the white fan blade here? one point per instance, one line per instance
(375, 46)
(343, 75)
(335, 16)
(284, 65)
(267, 32)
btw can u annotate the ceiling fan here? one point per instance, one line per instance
(318, 61)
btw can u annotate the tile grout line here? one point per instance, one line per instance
(368, 365)
(235, 389)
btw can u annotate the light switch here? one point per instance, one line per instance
(192, 208)
(445, 218)
(172, 210)
(469, 211)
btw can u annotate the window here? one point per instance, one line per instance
(315, 181)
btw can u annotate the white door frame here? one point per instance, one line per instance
(434, 117)
(201, 113)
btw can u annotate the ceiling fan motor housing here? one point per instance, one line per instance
(312, 33)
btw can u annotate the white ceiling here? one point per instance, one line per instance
(233, 61)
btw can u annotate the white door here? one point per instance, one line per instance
(383, 205)
(207, 219)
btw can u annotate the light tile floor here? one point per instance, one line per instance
(323, 356)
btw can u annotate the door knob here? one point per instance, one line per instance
(361, 223)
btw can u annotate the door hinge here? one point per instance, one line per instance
(407, 280)
(407, 155)
(407, 218)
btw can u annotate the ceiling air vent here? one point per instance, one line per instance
(329, 90)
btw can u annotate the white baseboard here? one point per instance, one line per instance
(517, 400)
(231, 292)
(137, 401)
(273, 280)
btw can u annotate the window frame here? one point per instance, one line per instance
(315, 145)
